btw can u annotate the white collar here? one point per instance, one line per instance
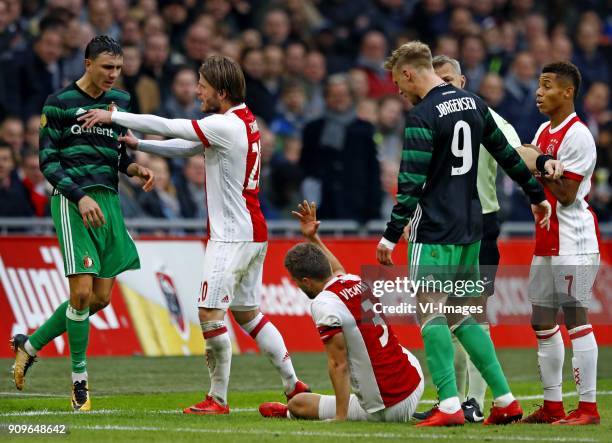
(563, 123)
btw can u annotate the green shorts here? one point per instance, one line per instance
(451, 269)
(105, 251)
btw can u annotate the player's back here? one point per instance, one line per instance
(381, 372)
(233, 158)
(449, 210)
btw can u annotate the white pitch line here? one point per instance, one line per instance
(46, 412)
(531, 397)
(383, 435)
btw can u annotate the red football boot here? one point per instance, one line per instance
(439, 418)
(550, 412)
(209, 406)
(273, 410)
(586, 414)
(503, 416)
(300, 387)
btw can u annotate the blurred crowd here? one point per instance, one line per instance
(330, 117)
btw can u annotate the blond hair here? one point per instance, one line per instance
(415, 54)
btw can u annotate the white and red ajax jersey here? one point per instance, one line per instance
(233, 160)
(573, 228)
(381, 374)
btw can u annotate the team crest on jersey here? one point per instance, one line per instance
(87, 262)
(111, 107)
(43, 121)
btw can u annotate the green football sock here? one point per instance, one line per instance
(479, 347)
(477, 385)
(53, 327)
(439, 353)
(461, 365)
(77, 326)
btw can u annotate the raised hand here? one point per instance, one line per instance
(307, 215)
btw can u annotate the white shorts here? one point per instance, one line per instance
(399, 412)
(562, 280)
(232, 275)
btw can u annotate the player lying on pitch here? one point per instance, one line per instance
(362, 350)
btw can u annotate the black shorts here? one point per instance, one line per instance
(489, 253)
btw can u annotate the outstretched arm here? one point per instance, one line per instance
(175, 147)
(307, 215)
(146, 123)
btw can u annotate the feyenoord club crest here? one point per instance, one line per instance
(87, 262)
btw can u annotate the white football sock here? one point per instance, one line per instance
(450, 405)
(504, 400)
(461, 359)
(550, 361)
(271, 343)
(29, 349)
(477, 386)
(79, 376)
(218, 358)
(584, 361)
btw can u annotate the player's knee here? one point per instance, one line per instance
(543, 326)
(98, 304)
(210, 314)
(80, 297)
(298, 406)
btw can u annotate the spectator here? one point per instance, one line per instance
(12, 133)
(290, 118)
(14, 200)
(162, 202)
(131, 32)
(276, 27)
(102, 20)
(175, 15)
(286, 176)
(259, 99)
(446, 45)
(156, 62)
(587, 55)
(430, 19)
(390, 129)
(76, 37)
(540, 48)
(274, 69)
(339, 159)
(521, 84)
(34, 182)
(191, 189)
(473, 56)
(595, 110)
(492, 91)
(197, 44)
(462, 23)
(315, 72)
(359, 84)
(41, 74)
(144, 91)
(561, 48)
(31, 136)
(370, 59)
(367, 110)
(295, 59)
(182, 102)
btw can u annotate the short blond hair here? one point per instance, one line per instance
(415, 53)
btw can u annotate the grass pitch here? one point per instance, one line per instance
(140, 399)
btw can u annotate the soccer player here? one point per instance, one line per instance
(437, 188)
(235, 253)
(566, 257)
(449, 70)
(82, 165)
(362, 350)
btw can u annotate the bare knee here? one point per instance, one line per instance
(299, 406)
(243, 317)
(210, 314)
(97, 304)
(80, 297)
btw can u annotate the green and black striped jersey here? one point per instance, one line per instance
(73, 158)
(439, 167)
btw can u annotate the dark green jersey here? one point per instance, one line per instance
(437, 178)
(72, 158)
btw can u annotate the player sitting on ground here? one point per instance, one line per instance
(362, 350)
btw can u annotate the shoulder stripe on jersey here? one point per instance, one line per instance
(327, 332)
(199, 133)
(572, 176)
